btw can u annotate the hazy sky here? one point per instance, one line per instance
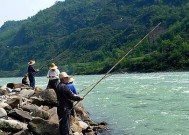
(22, 9)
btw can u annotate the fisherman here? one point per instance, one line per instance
(70, 84)
(31, 73)
(65, 104)
(25, 80)
(53, 75)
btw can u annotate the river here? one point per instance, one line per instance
(135, 104)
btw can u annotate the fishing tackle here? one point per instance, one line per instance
(119, 61)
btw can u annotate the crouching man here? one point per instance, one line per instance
(65, 104)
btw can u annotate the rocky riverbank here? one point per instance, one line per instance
(24, 111)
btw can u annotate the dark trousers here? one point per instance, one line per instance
(64, 120)
(52, 84)
(32, 81)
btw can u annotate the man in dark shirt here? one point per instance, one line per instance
(31, 73)
(65, 104)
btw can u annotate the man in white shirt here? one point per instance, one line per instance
(53, 75)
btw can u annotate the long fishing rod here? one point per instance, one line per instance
(120, 60)
(50, 60)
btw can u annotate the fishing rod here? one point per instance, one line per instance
(92, 85)
(47, 61)
(120, 61)
(50, 60)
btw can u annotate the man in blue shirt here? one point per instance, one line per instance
(71, 86)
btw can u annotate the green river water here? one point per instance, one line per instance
(135, 104)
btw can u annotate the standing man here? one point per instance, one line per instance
(65, 104)
(53, 75)
(31, 73)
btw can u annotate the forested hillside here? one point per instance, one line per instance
(90, 36)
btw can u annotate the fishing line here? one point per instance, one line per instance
(120, 61)
(50, 60)
(91, 85)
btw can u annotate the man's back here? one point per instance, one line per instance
(65, 96)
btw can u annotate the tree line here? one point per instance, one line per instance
(91, 35)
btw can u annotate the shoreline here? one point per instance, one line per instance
(25, 111)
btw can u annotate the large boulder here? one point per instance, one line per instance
(53, 115)
(11, 125)
(4, 90)
(43, 127)
(46, 97)
(37, 100)
(20, 115)
(26, 93)
(36, 111)
(75, 127)
(14, 101)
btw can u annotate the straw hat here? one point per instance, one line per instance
(31, 62)
(63, 75)
(53, 66)
(71, 80)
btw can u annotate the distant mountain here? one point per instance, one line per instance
(90, 36)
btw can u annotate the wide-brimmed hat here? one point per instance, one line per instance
(53, 66)
(63, 75)
(71, 80)
(31, 62)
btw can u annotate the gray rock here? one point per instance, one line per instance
(43, 127)
(83, 125)
(37, 101)
(74, 125)
(36, 111)
(37, 90)
(53, 115)
(11, 125)
(48, 96)
(14, 101)
(3, 92)
(3, 87)
(26, 93)
(9, 90)
(3, 105)
(3, 113)
(20, 115)
(29, 107)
